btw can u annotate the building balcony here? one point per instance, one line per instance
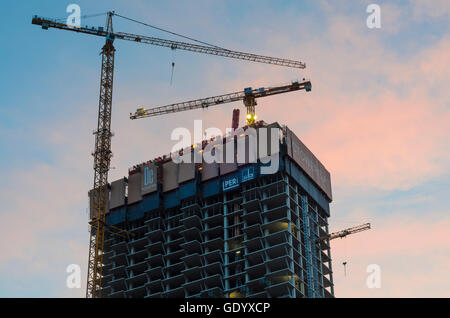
(139, 267)
(156, 260)
(106, 291)
(213, 281)
(156, 235)
(255, 258)
(276, 213)
(156, 248)
(278, 250)
(213, 268)
(192, 247)
(173, 244)
(155, 223)
(212, 257)
(192, 233)
(138, 244)
(192, 260)
(193, 288)
(256, 271)
(155, 295)
(257, 294)
(174, 282)
(137, 256)
(119, 248)
(138, 292)
(107, 257)
(214, 244)
(279, 263)
(118, 294)
(118, 284)
(213, 220)
(174, 257)
(174, 293)
(251, 205)
(193, 274)
(192, 221)
(155, 288)
(140, 230)
(254, 244)
(253, 231)
(253, 217)
(173, 233)
(258, 283)
(215, 292)
(174, 268)
(191, 206)
(107, 278)
(277, 237)
(280, 283)
(213, 232)
(155, 273)
(119, 271)
(136, 281)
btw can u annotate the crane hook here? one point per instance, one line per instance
(173, 63)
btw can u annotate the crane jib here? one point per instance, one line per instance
(99, 31)
(221, 99)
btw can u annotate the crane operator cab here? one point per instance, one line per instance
(140, 111)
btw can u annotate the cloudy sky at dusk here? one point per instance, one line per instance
(378, 117)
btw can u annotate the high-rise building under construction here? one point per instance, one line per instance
(222, 229)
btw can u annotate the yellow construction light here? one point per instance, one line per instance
(249, 116)
(236, 294)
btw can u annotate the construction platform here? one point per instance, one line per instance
(221, 229)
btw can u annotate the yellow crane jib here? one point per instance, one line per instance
(248, 96)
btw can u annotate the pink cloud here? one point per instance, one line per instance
(412, 252)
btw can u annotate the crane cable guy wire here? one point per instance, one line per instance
(87, 16)
(170, 32)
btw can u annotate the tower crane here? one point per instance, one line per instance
(102, 153)
(248, 96)
(344, 233)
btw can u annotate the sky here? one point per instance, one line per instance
(378, 118)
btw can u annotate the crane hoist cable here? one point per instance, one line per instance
(173, 65)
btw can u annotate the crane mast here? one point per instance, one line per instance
(248, 96)
(102, 153)
(102, 159)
